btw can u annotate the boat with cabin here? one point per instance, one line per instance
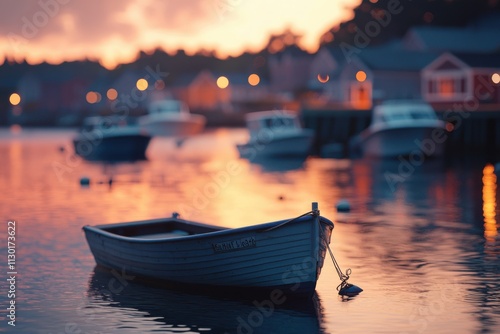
(275, 133)
(171, 118)
(400, 128)
(111, 138)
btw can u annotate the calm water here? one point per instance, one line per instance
(425, 251)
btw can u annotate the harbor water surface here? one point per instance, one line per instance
(421, 238)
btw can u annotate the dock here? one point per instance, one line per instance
(469, 132)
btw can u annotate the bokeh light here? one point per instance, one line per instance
(93, 97)
(361, 76)
(142, 84)
(495, 77)
(222, 82)
(428, 17)
(15, 129)
(15, 99)
(159, 85)
(112, 94)
(253, 79)
(328, 37)
(323, 78)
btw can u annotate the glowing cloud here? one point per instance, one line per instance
(113, 31)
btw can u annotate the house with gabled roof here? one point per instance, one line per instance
(396, 73)
(289, 70)
(49, 92)
(201, 92)
(323, 75)
(458, 78)
(382, 73)
(325, 65)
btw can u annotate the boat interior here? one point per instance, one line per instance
(159, 229)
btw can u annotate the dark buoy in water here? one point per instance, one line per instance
(84, 181)
(179, 142)
(350, 290)
(343, 206)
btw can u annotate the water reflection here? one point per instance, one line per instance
(279, 165)
(489, 203)
(119, 297)
(425, 251)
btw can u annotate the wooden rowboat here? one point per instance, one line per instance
(286, 254)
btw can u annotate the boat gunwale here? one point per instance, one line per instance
(222, 231)
(305, 134)
(373, 130)
(270, 114)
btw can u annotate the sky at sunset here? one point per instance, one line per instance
(113, 31)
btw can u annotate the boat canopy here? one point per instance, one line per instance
(403, 112)
(272, 120)
(169, 106)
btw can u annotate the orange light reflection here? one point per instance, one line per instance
(489, 203)
(323, 78)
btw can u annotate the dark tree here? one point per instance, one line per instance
(384, 20)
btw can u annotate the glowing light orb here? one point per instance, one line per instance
(92, 97)
(323, 78)
(361, 76)
(495, 77)
(253, 79)
(222, 82)
(112, 94)
(142, 84)
(15, 99)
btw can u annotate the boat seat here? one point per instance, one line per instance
(166, 235)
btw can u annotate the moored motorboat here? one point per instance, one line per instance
(286, 254)
(275, 133)
(171, 118)
(111, 138)
(402, 127)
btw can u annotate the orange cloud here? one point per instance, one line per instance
(113, 31)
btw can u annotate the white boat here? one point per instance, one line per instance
(276, 133)
(286, 254)
(111, 138)
(171, 118)
(402, 128)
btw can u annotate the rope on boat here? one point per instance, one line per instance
(314, 212)
(344, 288)
(343, 277)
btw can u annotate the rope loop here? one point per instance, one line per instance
(312, 212)
(343, 277)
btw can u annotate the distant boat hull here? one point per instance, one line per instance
(400, 141)
(293, 145)
(172, 125)
(265, 256)
(127, 147)
(402, 128)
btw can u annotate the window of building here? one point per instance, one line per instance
(447, 86)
